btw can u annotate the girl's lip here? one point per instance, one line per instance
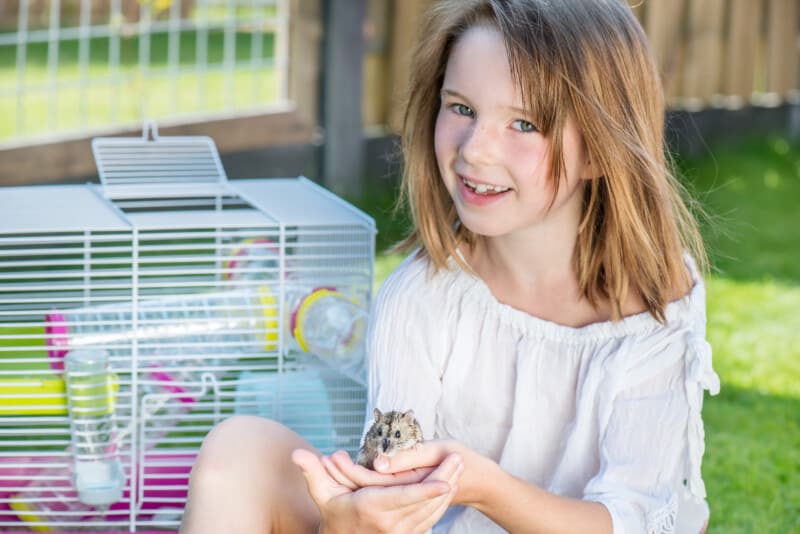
(471, 197)
(475, 181)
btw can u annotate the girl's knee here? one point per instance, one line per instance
(246, 441)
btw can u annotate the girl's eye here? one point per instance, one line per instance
(523, 126)
(461, 109)
(397, 434)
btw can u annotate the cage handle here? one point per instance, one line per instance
(150, 130)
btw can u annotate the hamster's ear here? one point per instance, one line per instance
(408, 415)
(377, 413)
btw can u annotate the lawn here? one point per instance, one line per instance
(751, 193)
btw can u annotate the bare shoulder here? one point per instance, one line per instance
(681, 288)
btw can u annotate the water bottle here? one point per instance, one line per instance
(97, 471)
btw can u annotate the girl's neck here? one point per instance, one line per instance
(535, 274)
(540, 257)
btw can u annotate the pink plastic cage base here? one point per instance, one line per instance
(179, 475)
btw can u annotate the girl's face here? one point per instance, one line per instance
(494, 162)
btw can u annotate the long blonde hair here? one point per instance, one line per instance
(590, 60)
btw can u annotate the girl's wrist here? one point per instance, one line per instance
(479, 476)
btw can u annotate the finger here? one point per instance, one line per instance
(335, 473)
(397, 497)
(314, 472)
(431, 515)
(362, 476)
(427, 454)
(453, 474)
(421, 517)
(449, 470)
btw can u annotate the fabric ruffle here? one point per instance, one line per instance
(700, 376)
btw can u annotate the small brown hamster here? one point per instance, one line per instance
(391, 432)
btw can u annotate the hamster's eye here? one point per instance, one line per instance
(380, 431)
(397, 434)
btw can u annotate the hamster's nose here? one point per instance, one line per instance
(385, 444)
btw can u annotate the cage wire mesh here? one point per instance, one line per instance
(111, 63)
(136, 314)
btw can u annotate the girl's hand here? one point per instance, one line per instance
(412, 507)
(351, 475)
(478, 469)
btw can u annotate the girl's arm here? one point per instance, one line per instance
(519, 506)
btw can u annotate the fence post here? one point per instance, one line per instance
(781, 48)
(305, 36)
(342, 163)
(744, 44)
(703, 73)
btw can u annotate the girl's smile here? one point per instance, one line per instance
(479, 193)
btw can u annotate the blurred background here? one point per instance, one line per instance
(315, 88)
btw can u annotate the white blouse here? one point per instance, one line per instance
(609, 412)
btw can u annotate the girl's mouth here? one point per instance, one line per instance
(479, 194)
(483, 189)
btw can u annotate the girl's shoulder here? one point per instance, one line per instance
(415, 280)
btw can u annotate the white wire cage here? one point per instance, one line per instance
(136, 314)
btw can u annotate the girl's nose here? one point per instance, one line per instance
(477, 145)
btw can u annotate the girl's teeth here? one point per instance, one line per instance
(482, 189)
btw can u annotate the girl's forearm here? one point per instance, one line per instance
(518, 506)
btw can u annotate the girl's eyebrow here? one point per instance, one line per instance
(456, 94)
(450, 92)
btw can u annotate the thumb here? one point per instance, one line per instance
(315, 474)
(427, 454)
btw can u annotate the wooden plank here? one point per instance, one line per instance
(407, 20)
(305, 38)
(376, 63)
(665, 29)
(742, 49)
(342, 88)
(782, 54)
(703, 71)
(72, 158)
(375, 89)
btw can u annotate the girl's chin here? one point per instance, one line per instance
(482, 228)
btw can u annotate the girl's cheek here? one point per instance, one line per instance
(532, 155)
(443, 138)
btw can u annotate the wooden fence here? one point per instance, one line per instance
(711, 53)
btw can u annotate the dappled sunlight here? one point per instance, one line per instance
(754, 329)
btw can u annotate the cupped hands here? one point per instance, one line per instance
(352, 498)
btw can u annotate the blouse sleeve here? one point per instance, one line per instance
(402, 350)
(653, 435)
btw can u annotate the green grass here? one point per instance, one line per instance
(132, 93)
(752, 463)
(751, 192)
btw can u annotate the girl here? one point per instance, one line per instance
(549, 331)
